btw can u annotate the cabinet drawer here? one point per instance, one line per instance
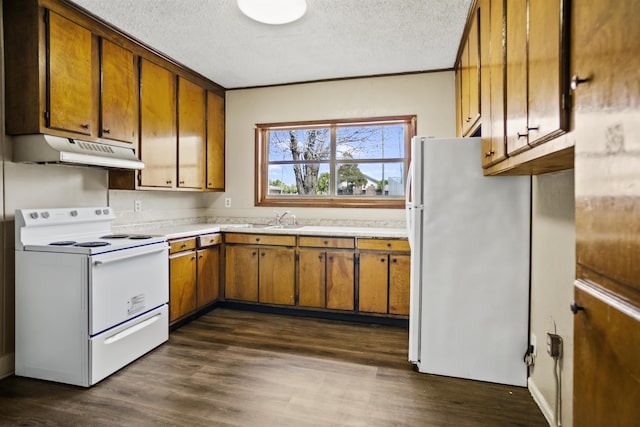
(209, 240)
(260, 239)
(327, 242)
(384, 244)
(182, 245)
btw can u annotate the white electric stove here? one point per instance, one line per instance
(88, 301)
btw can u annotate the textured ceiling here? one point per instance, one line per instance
(335, 39)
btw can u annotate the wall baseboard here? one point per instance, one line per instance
(542, 403)
(7, 365)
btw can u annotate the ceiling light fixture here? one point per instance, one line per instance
(273, 11)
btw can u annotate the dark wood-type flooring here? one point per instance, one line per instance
(239, 368)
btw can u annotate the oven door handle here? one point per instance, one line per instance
(132, 330)
(107, 261)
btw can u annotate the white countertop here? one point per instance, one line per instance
(186, 230)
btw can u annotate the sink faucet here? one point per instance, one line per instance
(280, 216)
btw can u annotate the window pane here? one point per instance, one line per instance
(370, 142)
(300, 144)
(299, 179)
(370, 179)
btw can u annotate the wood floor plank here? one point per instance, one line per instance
(239, 368)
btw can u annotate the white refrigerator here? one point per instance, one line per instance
(469, 237)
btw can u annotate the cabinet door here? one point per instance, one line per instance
(546, 76)
(492, 80)
(182, 284)
(373, 282)
(208, 275)
(71, 100)
(191, 135)
(516, 32)
(607, 373)
(215, 142)
(241, 273)
(157, 126)
(118, 102)
(277, 276)
(340, 280)
(311, 278)
(399, 282)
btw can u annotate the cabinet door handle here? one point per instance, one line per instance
(106, 130)
(522, 135)
(533, 128)
(85, 126)
(193, 257)
(180, 182)
(168, 181)
(381, 259)
(468, 119)
(489, 153)
(575, 308)
(201, 256)
(394, 260)
(576, 81)
(253, 253)
(319, 256)
(262, 254)
(257, 239)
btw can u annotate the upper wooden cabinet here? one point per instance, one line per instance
(157, 126)
(191, 135)
(468, 71)
(523, 85)
(119, 94)
(215, 142)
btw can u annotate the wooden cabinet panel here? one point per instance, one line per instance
(373, 282)
(191, 134)
(340, 280)
(311, 278)
(182, 245)
(157, 126)
(261, 239)
(469, 75)
(209, 240)
(516, 83)
(277, 276)
(71, 100)
(208, 275)
(327, 242)
(544, 108)
(118, 101)
(399, 284)
(182, 289)
(607, 373)
(492, 75)
(384, 244)
(241, 273)
(215, 142)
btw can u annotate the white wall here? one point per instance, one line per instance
(553, 272)
(430, 96)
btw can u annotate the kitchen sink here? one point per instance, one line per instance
(276, 227)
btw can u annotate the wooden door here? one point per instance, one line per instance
(241, 273)
(547, 74)
(373, 283)
(182, 284)
(474, 74)
(492, 80)
(311, 278)
(157, 126)
(516, 69)
(605, 52)
(191, 135)
(399, 282)
(119, 95)
(215, 142)
(277, 276)
(340, 280)
(208, 275)
(465, 117)
(70, 62)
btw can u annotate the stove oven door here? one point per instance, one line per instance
(125, 284)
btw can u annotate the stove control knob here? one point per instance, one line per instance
(73, 213)
(34, 215)
(98, 212)
(105, 211)
(45, 214)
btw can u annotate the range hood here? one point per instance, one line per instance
(40, 148)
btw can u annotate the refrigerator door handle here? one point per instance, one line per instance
(407, 197)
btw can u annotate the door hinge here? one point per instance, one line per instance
(46, 116)
(139, 178)
(45, 18)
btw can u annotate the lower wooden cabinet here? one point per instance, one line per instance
(312, 275)
(383, 279)
(194, 275)
(260, 268)
(340, 280)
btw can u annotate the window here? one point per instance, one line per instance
(336, 163)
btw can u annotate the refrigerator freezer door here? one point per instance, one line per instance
(475, 267)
